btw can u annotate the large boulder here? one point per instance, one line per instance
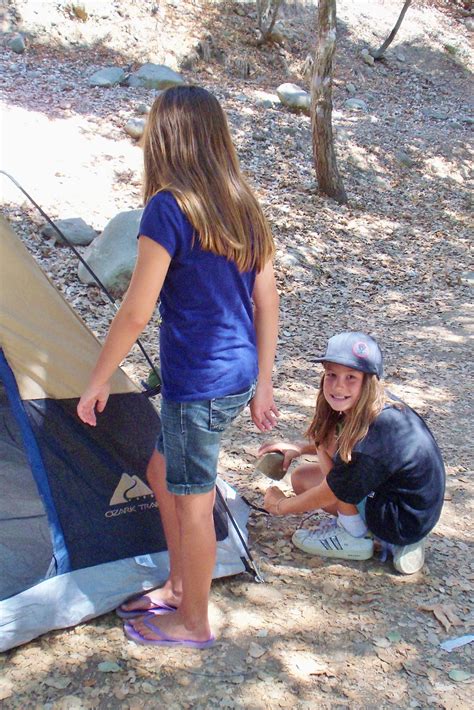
(17, 44)
(112, 255)
(109, 76)
(135, 127)
(356, 105)
(294, 97)
(74, 229)
(155, 76)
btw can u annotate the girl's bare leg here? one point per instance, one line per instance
(198, 555)
(310, 475)
(172, 591)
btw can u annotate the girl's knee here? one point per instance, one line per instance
(195, 509)
(305, 477)
(297, 479)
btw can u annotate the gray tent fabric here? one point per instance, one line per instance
(25, 544)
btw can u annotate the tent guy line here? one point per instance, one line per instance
(86, 266)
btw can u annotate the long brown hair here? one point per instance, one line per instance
(188, 150)
(354, 424)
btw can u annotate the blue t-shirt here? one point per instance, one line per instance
(207, 337)
(398, 465)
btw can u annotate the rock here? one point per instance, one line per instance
(148, 688)
(144, 109)
(70, 702)
(356, 105)
(466, 119)
(255, 651)
(293, 96)
(367, 57)
(109, 76)
(17, 44)
(189, 60)
(271, 466)
(155, 76)
(469, 23)
(437, 114)
(74, 229)
(109, 667)
(266, 100)
(350, 88)
(6, 689)
(279, 33)
(288, 260)
(467, 278)
(404, 159)
(112, 255)
(135, 127)
(400, 57)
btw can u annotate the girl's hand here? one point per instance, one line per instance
(289, 450)
(273, 496)
(263, 409)
(94, 398)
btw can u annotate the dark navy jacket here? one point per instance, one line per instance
(398, 466)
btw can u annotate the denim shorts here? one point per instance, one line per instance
(190, 439)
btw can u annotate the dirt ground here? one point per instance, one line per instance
(395, 262)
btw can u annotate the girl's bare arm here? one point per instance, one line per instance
(133, 315)
(277, 503)
(266, 303)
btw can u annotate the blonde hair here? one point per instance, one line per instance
(188, 150)
(355, 423)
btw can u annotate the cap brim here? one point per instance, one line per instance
(341, 361)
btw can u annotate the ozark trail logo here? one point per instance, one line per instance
(129, 497)
(129, 487)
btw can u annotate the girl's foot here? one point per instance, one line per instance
(156, 600)
(331, 540)
(171, 630)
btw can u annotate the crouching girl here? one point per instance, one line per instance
(379, 470)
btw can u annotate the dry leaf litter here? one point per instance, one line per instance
(395, 261)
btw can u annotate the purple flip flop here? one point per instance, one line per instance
(159, 608)
(162, 640)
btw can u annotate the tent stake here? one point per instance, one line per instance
(249, 563)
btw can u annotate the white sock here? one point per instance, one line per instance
(353, 524)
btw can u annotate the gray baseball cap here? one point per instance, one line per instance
(356, 350)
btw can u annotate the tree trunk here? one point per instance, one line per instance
(267, 13)
(329, 180)
(377, 53)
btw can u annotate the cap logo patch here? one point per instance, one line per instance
(361, 349)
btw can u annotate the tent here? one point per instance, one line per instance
(80, 529)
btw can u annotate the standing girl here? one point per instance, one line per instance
(206, 250)
(379, 467)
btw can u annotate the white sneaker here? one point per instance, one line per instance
(333, 541)
(408, 559)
